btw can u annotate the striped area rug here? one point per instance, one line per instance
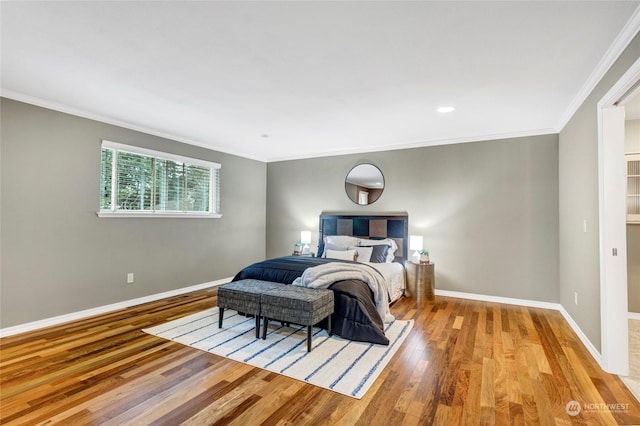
(340, 365)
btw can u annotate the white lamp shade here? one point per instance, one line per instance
(415, 242)
(305, 237)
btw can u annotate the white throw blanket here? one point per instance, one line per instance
(322, 276)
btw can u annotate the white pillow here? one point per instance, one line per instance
(363, 253)
(387, 241)
(340, 254)
(329, 246)
(343, 241)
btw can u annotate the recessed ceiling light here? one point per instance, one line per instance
(264, 135)
(445, 109)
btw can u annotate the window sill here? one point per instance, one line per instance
(184, 215)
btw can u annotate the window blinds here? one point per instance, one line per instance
(139, 180)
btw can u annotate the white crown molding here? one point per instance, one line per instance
(634, 316)
(628, 32)
(74, 316)
(55, 106)
(534, 304)
(422, 144)
(9, 94)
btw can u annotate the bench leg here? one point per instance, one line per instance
(309, 331)
(264, 328)
(221, 314)
(329, 325)
(257, 326)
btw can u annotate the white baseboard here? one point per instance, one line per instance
(534, 304)
(48, 322)
(499, 299)
(634, 316)
(583, 337)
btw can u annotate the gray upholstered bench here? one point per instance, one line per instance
(298, 305)
(243, 296)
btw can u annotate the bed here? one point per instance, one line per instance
(356, 315)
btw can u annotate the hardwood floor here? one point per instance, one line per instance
(465, 362)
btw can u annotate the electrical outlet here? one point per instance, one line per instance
(575, 297)
(130, 278)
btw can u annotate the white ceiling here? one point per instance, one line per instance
(278, 80)
(366, 175)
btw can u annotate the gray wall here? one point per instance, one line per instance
(488, 211)
(58, 257)
(578, 186)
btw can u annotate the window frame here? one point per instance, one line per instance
(214, 193)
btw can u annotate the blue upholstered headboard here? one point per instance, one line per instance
(372, 226)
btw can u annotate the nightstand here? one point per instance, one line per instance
(421, 281)
(310, 254)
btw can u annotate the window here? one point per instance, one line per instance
(633, 188)
(140, 182)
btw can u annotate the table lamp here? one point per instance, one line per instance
(415, 243)
(305, 239)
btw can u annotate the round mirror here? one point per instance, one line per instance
(364, 184)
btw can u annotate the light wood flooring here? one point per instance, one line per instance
(465, 362)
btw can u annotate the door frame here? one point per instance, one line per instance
(613, 290)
